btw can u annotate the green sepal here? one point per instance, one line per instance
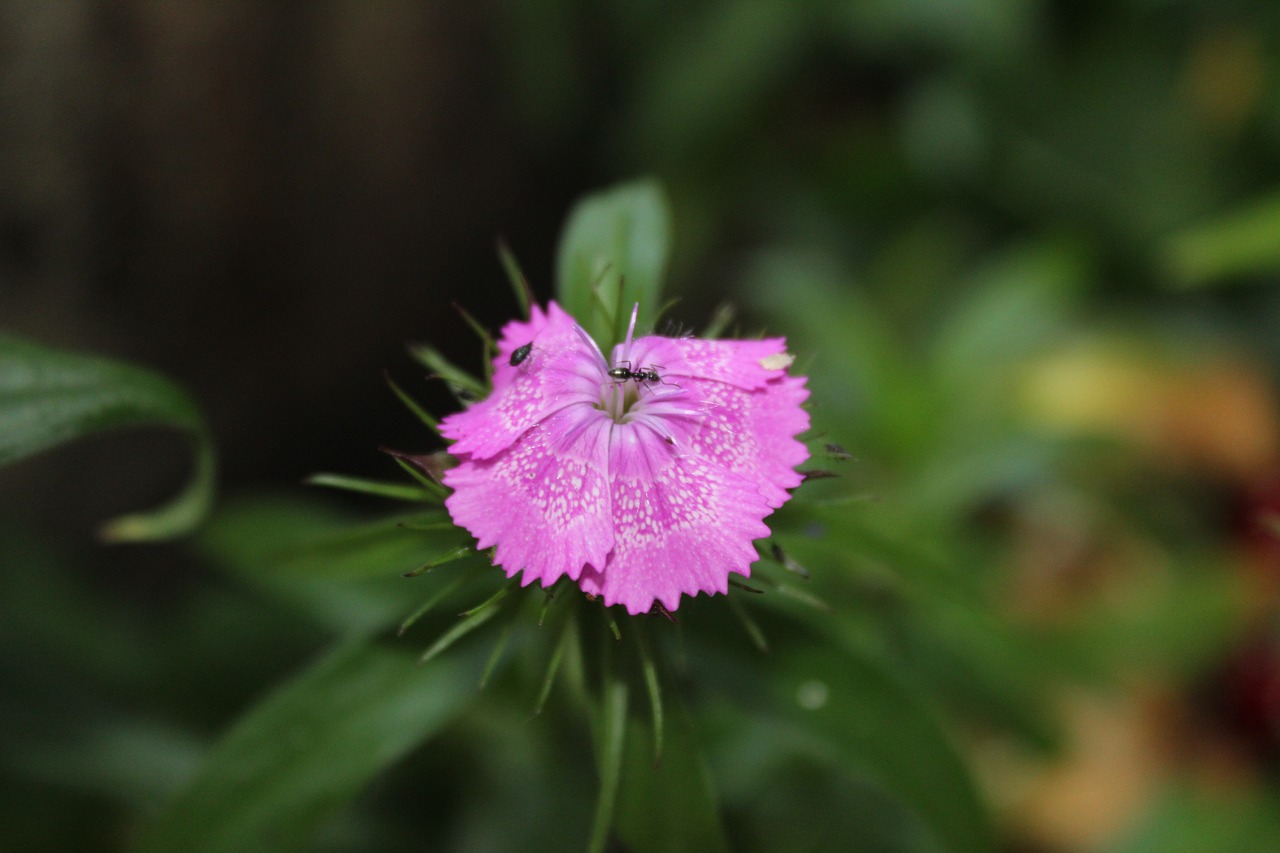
(610, 742)
(471, 620)
(393, 491)
(457, 378)
(412, 405)
(613, 254)
(516, 276)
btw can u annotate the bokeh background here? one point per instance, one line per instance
(1027, 250)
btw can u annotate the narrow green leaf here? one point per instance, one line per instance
(489, 602)
(426, 525)
(720, 320)
(394, 491)
(307, 749)
(48, 397)
(430, 603)
(496, 655)
(412, 405)
(461, 552)
(748, 624)
(668, 806)
(294, 539)
(654, 689)
(423, 480)
(519, 284)
(471, 620)
(795, 593)
(181, 515)
(343, 571)
(455, 376)
(486, 341)
(567, 637)
(613, 253)
(610, 741)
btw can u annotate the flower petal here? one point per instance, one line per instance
(560, 370)
(735, 362)
(544, 501)
(751, 433)
(518, 333)
(682, 524)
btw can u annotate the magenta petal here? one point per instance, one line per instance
(735, 362)
(544, 502)
(644, 487)
(517, 333)
(752, 433)
(548, 380)
(682, 525)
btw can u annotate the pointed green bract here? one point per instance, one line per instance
(669, 805)
(610, 740)
(412, 405)
(455, 376)
(471, 620)
(748, 624)
(394, 491)
(515, 275)
(613, 254)
(567, 637)
(426, 483)
(448, 557)
(654, 689)
(48, 397)
(495, 657)
(436, 597)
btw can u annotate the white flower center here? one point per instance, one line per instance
(620, 398)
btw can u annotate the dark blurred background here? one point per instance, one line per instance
(266, 201)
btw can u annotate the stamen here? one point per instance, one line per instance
(631, 328)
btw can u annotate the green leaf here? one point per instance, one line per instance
(1243, 242)
(610, 740)
(516, 277)
(567, 637)
(669, 805)
(304, 752)
(654, 689)
(454, 376)
(392, 491)
(470, 621)
(296, 539)
(881, 725)
(613, 254)
(344, 572)
(412, 405)
(48, 397)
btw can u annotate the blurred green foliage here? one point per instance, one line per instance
(937, 203)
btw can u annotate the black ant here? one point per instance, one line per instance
(623, 372)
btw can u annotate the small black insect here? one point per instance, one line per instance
(521, 353)
(623, 372)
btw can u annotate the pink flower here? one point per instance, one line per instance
(641, 478)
